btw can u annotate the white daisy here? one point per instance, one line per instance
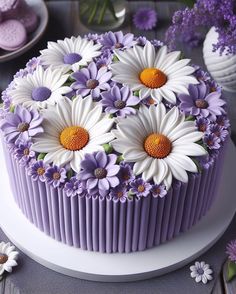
(7, 257)
(201, 272)
(69, 54)
(156, 74)
(72, 129)
(40, 89)
(159, 143)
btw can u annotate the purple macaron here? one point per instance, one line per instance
(13, 35)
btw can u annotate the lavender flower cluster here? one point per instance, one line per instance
(104, 173)
(206, 13)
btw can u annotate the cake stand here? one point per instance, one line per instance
(120, 267)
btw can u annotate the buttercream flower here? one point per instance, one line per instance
(71, 129)
(200, 102)
(74, 187)
(201, 272)
(37, 170)
(218, 131)
(125, 174)
(70, 54)
(156, 74)
(21, 125)
(55, 176)
(158, 191)
(202, 123)
(117, 40)
(8, 257)
(90, 80)
(145, 19)
(212, 141)
(23, 153)
(119, 193)
(119, 101)
(159, 144)
(39, 89)
(140, 188)
(231, 250)
(99, 172)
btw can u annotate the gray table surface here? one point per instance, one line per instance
(32, 278)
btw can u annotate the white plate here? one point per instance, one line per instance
(41, 10)
(117, 267)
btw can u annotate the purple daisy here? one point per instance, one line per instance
(32, 64)
(99, 173)
(23, 153)
(19, 126)
(231, 250)
(205, 161)
(223, 121)
(203, 124)
(200, 74)
(140, 188)
(218, 131)
(119, 101)
(158, 191)
(105, 59)
(119, 193)
(141, 41)
(117, 40)
(37, 171)
(91, 80)
(212, 141)
(74, 187)
(55, 176)
(125, 174)
(145, 19)
(201, 102)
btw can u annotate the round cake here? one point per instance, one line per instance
(113, 143)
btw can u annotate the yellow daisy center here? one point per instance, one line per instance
(74, 138)
(152, 77)
(157, 145)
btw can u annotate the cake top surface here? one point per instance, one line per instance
(113, 115)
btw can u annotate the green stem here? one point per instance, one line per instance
(93, 13)
(102, 11)
(112, 10)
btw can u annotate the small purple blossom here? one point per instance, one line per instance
(91, 80)
(19, 126)
(201, 102)
(201, 75)
(145, 19)
(140, 188)
(157, 43)
(37, 170)
(119, 101)
(117, 40)
(141, 41)
(205, 161)
(218, 131)
(105, 59)
(33, 64)
(92, 37)
(203, 124)
(231, 250)
(158, 191)
(148, 101)
(223, 121)
(99, 173)
(119, 193)
(74, 187)
(125, 174)
(212, 141)
(23, 153)
(55, 176)
(21, 73)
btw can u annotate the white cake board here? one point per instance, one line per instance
(120, 267)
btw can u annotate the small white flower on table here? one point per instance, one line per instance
(201, 272)
(7, 257)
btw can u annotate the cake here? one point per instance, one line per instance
(113, 143)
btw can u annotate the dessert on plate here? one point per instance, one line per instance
(113, 143)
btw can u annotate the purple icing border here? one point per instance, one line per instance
(103, 225)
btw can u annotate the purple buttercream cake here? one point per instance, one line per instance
(113, 143)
